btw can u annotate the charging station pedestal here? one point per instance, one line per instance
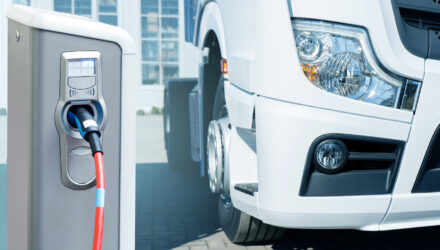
(56, 61)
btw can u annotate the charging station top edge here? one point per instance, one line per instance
(62, 23)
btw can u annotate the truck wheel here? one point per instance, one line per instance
(238, 226)
(176, 123)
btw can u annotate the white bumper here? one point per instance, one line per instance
(285, 132)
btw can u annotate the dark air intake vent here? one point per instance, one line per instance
(418, 23)
(421, 19)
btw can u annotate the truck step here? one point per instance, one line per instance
(249, 136)
(247, 188)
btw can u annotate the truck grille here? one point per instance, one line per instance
(421, 19)
(418, 23)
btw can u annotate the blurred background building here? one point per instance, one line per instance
(158, 27)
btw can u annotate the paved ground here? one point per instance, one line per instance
(175, 210)
(149, 139)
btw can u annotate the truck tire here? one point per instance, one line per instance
(176, 123)
(238, 226)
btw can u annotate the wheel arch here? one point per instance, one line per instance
(209, 76)
(210, 22)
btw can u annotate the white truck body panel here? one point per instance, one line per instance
(420, 209)
(243, 169)
(265, 77)
(241, 105)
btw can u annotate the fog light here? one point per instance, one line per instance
(330, 156)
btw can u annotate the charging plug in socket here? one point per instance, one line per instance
(71, 119)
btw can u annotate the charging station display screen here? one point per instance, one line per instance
(85, 67)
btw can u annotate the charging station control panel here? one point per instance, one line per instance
(81, 77)
(80, 85)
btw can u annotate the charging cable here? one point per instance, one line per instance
(89, 130)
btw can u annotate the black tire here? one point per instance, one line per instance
(176, 123)
(241, 228)
(219, 108)
(238, 226)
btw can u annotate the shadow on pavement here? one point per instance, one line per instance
(172, 207)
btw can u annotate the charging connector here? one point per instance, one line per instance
(81, 118)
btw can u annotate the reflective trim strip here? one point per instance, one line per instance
(100, 197)
(89, 123)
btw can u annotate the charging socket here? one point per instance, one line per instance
(94, 108)
(80, 85)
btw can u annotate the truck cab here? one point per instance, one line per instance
(311, 114)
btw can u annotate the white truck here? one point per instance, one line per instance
(312, 114)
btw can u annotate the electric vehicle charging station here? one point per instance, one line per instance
(56, 63)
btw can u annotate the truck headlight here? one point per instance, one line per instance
(339, 59)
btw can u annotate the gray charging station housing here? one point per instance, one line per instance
(51, 193)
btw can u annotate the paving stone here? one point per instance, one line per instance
(181, 248)
(161, 244)
(196, 243)
(199, 248)
(215, 243)
(256, 248)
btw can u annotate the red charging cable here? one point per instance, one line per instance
(89, 130)
(100, 198)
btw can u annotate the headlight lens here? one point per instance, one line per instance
(340, 60)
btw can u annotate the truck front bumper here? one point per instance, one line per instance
(285, 134)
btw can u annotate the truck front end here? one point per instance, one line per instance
(347, 114)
